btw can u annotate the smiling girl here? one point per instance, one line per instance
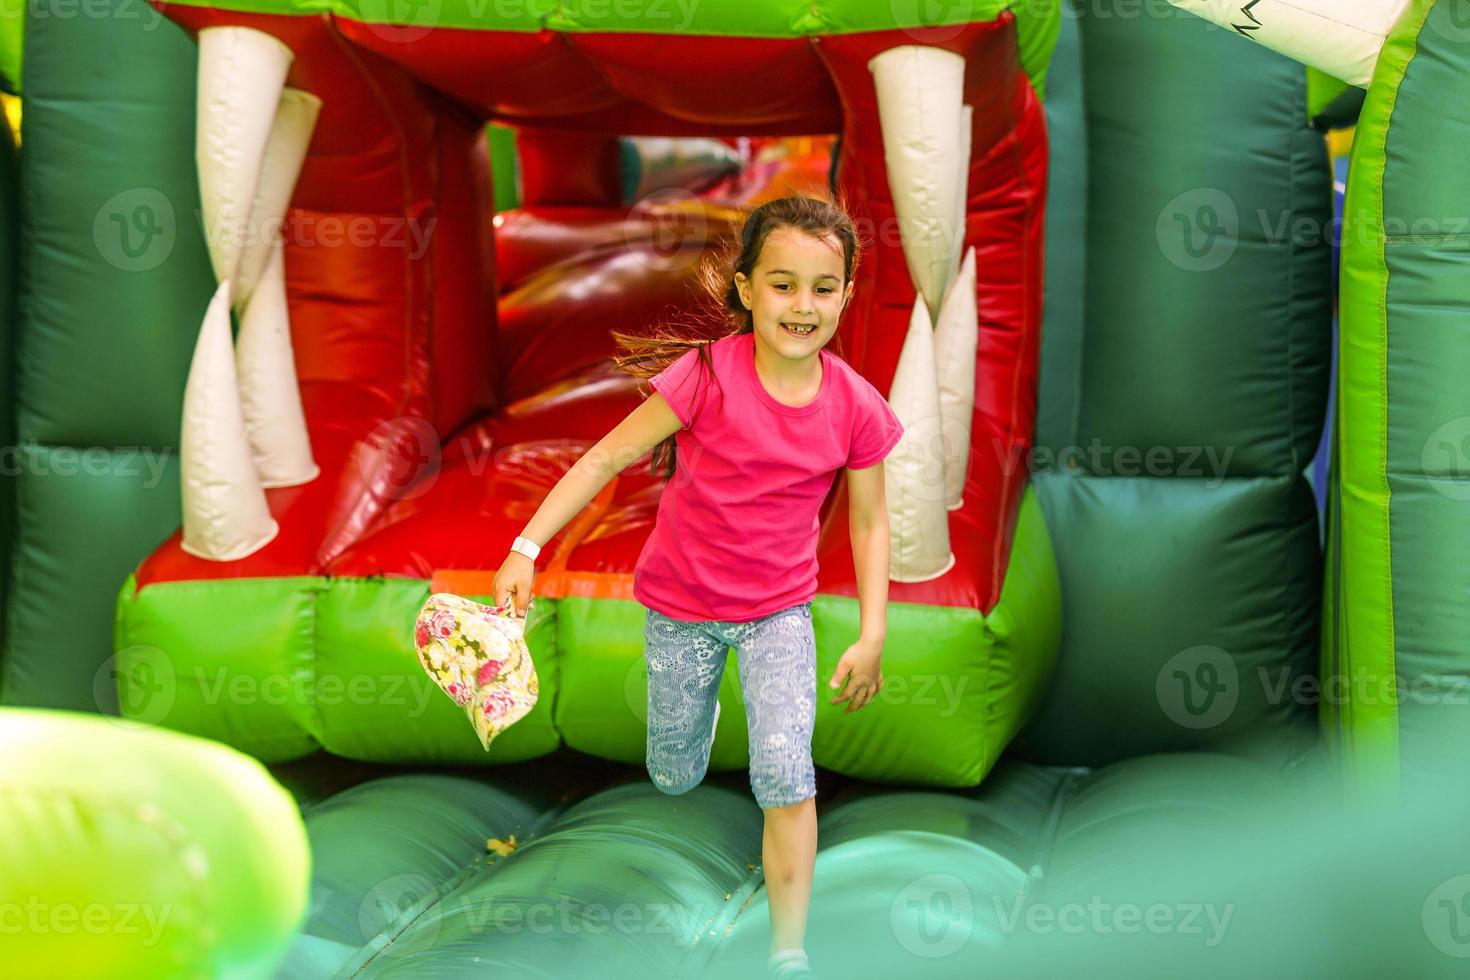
(750, 431)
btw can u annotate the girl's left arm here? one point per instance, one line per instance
(859, 672)
(867, 522)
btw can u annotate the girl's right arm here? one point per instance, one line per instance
(645, 427)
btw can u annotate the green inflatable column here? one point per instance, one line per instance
(9, 453)
(115, 283)
(1182, 392)
(1396, 650)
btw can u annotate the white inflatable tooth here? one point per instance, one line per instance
(920, 94)
(956, 339)
(1341, 37)
(269, 395)
(962, 198)
(285, 152)
(918, 525)
(241, 74)
(225, 512)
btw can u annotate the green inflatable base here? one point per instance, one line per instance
(309, 663)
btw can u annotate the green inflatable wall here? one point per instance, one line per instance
(1175, 429)
(110, 292)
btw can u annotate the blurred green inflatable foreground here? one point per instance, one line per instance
(133, 852)
(128, 851)
(1247, 761)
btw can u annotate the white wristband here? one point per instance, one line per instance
(526, 547)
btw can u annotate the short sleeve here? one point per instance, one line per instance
(875, 432)
(679, 383)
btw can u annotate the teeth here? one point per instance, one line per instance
(920, 109)
(955, 341)
(225, 512)
(962, 195)
(918, 524)
(1341, 37)
(269, 394)
(241, 74)
(265, 365)
(284, 153)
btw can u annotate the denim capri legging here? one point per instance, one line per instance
(777, 655)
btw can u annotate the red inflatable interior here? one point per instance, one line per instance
(453, 363)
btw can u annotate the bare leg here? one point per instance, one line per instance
(789, 853)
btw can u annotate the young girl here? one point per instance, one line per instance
(753, 429)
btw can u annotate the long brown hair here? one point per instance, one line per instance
(648, 355)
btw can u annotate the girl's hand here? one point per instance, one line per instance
(513, 582)
(858, 674)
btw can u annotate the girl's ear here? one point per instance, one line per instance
(847, 295)
(742, 284)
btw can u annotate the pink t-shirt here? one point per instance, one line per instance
(736, 533)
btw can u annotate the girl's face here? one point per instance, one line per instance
(795, 293)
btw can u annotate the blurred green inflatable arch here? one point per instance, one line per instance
(131, 851)
(1393, 585)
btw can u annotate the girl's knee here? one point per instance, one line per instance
(671, 786)
(674, 766)
(783, 781)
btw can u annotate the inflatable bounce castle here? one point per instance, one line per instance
(308, 304)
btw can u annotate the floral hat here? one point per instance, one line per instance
(477, 654)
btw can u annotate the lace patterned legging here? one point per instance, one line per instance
(777, 656)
